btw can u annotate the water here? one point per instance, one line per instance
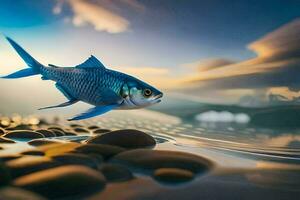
(244, 157)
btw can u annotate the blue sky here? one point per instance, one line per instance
(167, 43)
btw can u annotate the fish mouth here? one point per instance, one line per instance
(157, 98)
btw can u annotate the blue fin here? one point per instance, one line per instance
(91, 62)
(30, 61)
(98, 110)
(64, 91)
(34, 65)
(21, 73)
(68, 103)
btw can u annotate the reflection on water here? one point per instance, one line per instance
(241, 153)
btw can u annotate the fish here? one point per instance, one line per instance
(90, 82)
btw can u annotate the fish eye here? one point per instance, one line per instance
(147, 92)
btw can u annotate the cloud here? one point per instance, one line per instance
(101, 18)
(277, 64)
(209, 64)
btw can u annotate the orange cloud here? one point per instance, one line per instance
(101, 18)
(276, 64)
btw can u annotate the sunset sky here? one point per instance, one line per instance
(206, 49)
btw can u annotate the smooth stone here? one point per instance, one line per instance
(154, 159)
(23, 134)
(70, 133)
(58, 133)
(33, 153)
(77, 159)
(20, 127)
(46, 133)
(5, 176)
(5, 158)
(58, 149)
(81, 130)
(107, 151)
(75, 125)
(173, 175)
(29, 164)
(13, 193)
(6, 140)
(93, 127)
(101, 131)
(71, 181)
(127, 138)
(116, 173)
(56, 128)
(2, 131)
(40, 142)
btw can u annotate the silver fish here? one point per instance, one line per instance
(90, 82)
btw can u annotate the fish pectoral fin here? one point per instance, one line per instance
(68, 103)
(98, 110)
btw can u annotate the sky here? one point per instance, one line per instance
(216, 50)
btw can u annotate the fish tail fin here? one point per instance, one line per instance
(34, 65)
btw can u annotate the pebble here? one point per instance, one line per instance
(33, 153)
(77, 159)
(4, 175)
(29, 164)
(101, 131)
(26, 134)
(81, 130)
(107, 151)
(6, 140)
(173, 175)
(154, 159)
(63, 182)
(2, 131)
(40, 142)
(13, 193)
(20, 127)
(46, 133)
(5, 158)
(57, 132)
(127, 138)
(93, 127)
(116, 173)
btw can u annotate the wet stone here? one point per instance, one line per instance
(93, 127)
(13, 193)
(4, 175)
(173, 175)
(75, 125)
(29, 164)
(5, 158)
(46, 133)
(106, 151)
(101, 131)
(116, 173)
(2, 131)
(6, 140)
(63, 182)
(58, 132)
(40, 142)
(33, 153)
(77, 159)
(127, 138)
(23, 134)
(80, 130)
(146, 159)
(20, 127)
(70, 133)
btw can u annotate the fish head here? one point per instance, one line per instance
(137, 93)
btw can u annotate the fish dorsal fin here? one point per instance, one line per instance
(91, 62)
